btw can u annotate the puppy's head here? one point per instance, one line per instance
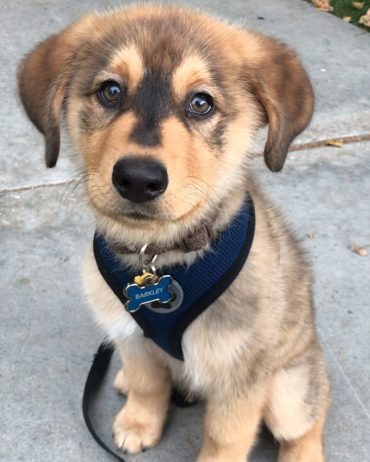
(163, 103)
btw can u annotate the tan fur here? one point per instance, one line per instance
(253, 355)
(128, 62)
(307, 448)
(192, 73)
(139, 424)
(120, 383)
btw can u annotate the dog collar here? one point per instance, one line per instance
(194, 241)
(194, 288)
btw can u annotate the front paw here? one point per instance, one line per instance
(134, 432)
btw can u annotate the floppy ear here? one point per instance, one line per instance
(43, 81)
(284, 91)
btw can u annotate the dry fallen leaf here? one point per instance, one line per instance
(362, 251)
(358, 5)
(322, 5)
(347, 19)
(336, 143)
(365, 19)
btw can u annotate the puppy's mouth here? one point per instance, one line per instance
(138, 216)
(148, 212)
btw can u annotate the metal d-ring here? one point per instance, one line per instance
(147, 263)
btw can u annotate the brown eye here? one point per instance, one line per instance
(200, 104)
(110, 94)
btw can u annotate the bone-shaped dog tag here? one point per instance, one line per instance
(145, 289)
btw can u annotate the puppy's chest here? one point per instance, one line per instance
(216, 340)
(213, 342)
(165, 307)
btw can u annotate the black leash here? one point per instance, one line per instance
(98, 371)
(94, 380)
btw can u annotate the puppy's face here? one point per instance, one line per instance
(163, 103)
(163, 120)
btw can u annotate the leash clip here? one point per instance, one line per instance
(147, 266)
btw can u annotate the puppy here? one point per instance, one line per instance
(163, 104)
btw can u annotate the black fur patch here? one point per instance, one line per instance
(152, 103)
(85, 120)
(217, 137)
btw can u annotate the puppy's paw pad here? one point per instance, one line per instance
(120, 383)
(132, 436)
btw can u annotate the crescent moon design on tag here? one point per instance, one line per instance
(173, 304)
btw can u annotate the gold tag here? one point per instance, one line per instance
(146, 279)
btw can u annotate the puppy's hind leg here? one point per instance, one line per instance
(140, 422)
(307, 448)
(298, 401)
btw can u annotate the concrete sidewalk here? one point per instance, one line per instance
(47, 337)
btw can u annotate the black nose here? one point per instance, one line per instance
(139, 179)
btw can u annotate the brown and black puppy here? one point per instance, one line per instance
(174, 98)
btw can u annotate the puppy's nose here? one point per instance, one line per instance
(139, 179)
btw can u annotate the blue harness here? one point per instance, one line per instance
(197, 286)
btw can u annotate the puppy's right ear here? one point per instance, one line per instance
(282, 87)
(43, 81)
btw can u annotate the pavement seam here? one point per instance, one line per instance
(294, 147)
(35, 186)
(330, 142)
(344, 375)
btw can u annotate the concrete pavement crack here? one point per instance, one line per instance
(35, 186)
(325, 142)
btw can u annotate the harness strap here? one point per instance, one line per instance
(202, 283)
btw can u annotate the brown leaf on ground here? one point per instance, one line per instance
(335, 143)
(322, 5)
(362, 251)
(365, 19)
(358, 5)
(346, 19)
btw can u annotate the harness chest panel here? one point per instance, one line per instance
(194, 288)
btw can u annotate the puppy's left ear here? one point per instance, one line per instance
(43, 78)
(283, 89)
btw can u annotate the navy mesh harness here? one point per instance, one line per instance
(202, 282)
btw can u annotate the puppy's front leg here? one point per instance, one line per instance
(139, 423)
(231, 427)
